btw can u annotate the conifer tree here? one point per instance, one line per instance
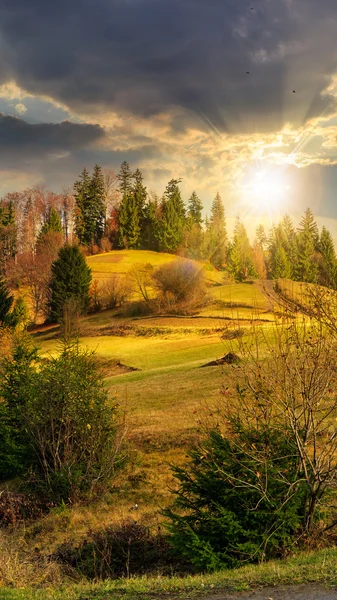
(71, 279)
(97, 204)
(130, 212)
(261, 236)
(53, 223)
(125, 178)
(194, 210)
(240, 260)
(259, 261)
(150, 225)
(6, 303)
(282, 267)
(194, 239)
(328, 263)
(90, 207)
(308, 244)
(217, 233)
(82, 194)
(173, 220)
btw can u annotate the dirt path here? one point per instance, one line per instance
(266, 287)
(289, 592)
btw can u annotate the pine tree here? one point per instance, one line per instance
(90, 207)
(71, 279)
(261, 236)
(217, 234)
(195, 234)
(82, 194)
(130, 212)
(97, 208)
(6, 303)
(282, 267)
(125, 178)
(173, 220)
(328, 264)
(259, 261)
(194, 210)
(308, 244)
(150, 225)
(240, 261)
(53, 223)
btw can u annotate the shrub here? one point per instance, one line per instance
(230, 508)
(16, 508)
(265, 476)
(180, 280)
(118, 551)
(57, 421)
(116, 291)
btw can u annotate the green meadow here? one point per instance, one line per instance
(156, 368)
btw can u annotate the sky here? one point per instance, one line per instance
(234, 96)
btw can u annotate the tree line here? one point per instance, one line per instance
(105, 211)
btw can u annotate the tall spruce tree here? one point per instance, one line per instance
(217, 233)
(240, 260)
(82, 195)
(194, 210)
(195, 234)
(328, 263)
(90, 207)
(125, 178)
(71, 279)
(97, 204)
(308, 245)
(130, 211)
(173, 221)
(150, 225)
(282, 267)
(261, 236)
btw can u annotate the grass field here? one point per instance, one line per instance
(167, 397)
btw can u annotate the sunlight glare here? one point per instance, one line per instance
(266, 190)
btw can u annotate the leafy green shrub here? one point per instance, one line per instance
(233, 504)
(57, 421)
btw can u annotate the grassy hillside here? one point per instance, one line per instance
(154, 365)
(121, 261)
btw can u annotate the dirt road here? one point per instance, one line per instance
(292, 592)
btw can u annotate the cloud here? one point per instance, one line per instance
(28, 142)
(20, 108)
(146, 56)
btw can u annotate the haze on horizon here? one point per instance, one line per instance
(232, 96)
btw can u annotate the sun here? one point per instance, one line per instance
(266, 190)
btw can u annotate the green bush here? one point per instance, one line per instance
(57, 421)
(233, 504)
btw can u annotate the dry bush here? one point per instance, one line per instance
(141, 277)
(116, 291)
(19, 568)
(180, 282)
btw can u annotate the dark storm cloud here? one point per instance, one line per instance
(144, 56)
(31, 141)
